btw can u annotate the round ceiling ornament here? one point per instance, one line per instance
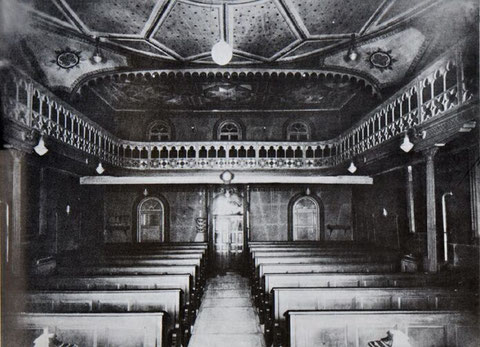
(67, 58)
(381, 59)
(222, 53)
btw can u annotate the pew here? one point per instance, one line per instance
(321, 299)
(119, 282)
(357, 328)
(153, 300)
(191, 270)
(89, 329)
(396, 279)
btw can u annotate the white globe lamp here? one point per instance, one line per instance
(222, 53)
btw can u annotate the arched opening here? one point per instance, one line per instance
(306, 219)
(151, 220)
(159, 131)
(229, 130)
(298, 131)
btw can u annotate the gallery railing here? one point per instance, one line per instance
(437, 90)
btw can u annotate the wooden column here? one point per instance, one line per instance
(18, 220)
(431, 209)
(410, 201)
(475, 187)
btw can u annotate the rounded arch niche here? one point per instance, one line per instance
(151, 222)
(306, 218)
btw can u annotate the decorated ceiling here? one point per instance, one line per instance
(87, 47)
(258, 30)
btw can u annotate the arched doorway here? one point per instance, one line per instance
(306, 219)
(151, 220)
(227, 230)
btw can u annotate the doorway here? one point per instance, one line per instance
(227, 232)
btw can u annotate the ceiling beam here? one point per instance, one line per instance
(214, 178)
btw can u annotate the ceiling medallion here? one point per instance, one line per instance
(67, 58)
(381, 59)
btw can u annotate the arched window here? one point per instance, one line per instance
(159, 131)
(306, 219)
(229, 130)
(298, 131)
(150, 220)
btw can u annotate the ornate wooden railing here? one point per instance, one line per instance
(437, 90)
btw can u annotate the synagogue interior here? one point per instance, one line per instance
(239, 173)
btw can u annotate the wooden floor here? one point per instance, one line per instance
(227, 316)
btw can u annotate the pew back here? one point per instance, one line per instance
(90, 329)
(396, 279)
(357, 328)
(432, 298)
(346, 267)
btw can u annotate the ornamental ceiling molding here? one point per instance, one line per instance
(353, 76)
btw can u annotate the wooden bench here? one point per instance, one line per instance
(191, 270)
(396, 279)
(154, 300)
(119, 282)
(357, 328)
(275, 256)
(89, 329)
(321, 299)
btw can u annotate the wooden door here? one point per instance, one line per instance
(228, 242)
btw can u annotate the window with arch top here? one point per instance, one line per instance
(229, 130)
(159, 131)
(298, 131)
(306, 219)
(151, 220)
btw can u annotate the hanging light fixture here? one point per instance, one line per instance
(352, 53)
(352, 168)
(406, 145)
(97, 57)
(222, 53)
(40, 148)
(100, 170)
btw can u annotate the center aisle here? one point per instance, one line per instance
(226, 316)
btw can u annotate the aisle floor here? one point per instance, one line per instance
(227, 316)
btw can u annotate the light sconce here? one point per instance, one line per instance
(352, 168)
(193, 128)
(40, 148)
(68, 209)
(307, 191)
(226, 177)
(222, 53)
(145, 192)
(97, 56)
(100, 170)
(406, 145)
(352, 53)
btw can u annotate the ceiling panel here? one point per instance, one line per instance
(330, 17)
(190, 29)
(260, 28)
(126, 17)
(387, 60)
(49, 8)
